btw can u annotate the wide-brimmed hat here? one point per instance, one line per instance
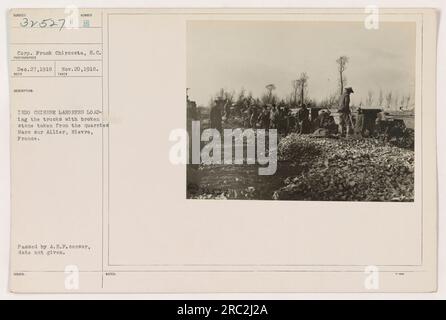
(349, 89)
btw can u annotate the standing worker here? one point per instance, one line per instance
(254, 116)
(286, 120)
(345, 113)
(264, 119)
(227, 109)
(216, 114)
(303, 118)
(247, 113)
(360, 128)
(274, 117)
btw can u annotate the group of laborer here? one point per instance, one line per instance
(279, 116)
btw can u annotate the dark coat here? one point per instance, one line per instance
(303, 114)
(264, 119)
(344, 103)
(215, 117)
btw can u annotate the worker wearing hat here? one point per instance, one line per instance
(264, 118)
(274, 116)
(346, 123)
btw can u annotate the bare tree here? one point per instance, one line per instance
(369, 100)
(389, 99)
(396, 100)
(296, 86)
(289, 99)
(241, 96)
(408, 99)
(266, 98)
(221, 93)
(381, 97)
(330, 101)
(342, 65)
(269, 89)
(303, 84)
(226, 95)
(250, 98)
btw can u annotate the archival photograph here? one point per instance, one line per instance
(301, 110)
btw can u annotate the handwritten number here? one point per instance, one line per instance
(43, 24)
(62, 25)
(24, 22)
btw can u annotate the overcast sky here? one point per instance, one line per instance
(252, 54)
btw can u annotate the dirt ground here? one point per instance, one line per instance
(311, 168)
(237, 181)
